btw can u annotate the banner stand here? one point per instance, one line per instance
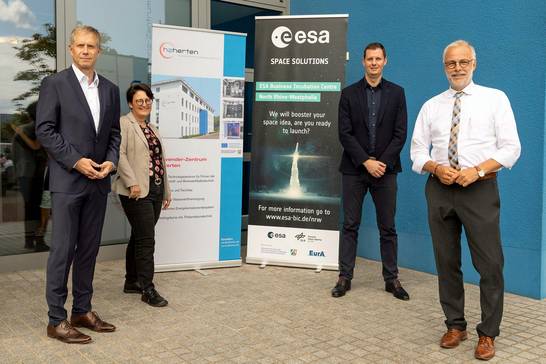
(317, 268)
(295, 186)
(196, 266)
(198, 80)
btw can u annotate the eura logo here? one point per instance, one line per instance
(272, 235)
(314, 253)
(282, 37)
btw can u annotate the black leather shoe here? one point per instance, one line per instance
(396, 289)
(132, 287)
(151, 297)
(342, 286)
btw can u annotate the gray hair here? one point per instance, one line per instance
(85, 29)
(457, 43)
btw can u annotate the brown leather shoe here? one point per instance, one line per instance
(485, 349)
(452, 338)
(67, 334)
(91, 321)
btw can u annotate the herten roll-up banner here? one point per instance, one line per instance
(198, 85)
(295, 190)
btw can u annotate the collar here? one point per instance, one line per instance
(367, 85)
(82, 78)
(468, 90)
(134, 120)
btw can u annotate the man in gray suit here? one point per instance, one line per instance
(78, 125)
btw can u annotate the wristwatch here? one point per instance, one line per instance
(481, 172)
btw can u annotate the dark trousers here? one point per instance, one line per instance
(383, 191)
(31, 190)
(142, 215)
(476, 208)
(77, 227)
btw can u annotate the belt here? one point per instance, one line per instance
(491, 175)
(156, 180)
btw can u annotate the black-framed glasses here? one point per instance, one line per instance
(141, 102)
(463, 63)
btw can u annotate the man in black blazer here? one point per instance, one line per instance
(78, 125)
(372, 131)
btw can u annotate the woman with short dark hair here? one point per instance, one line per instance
(143, 188)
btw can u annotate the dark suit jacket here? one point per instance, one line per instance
(65, 127)
(391, 129)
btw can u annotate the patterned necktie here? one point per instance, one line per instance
(454, 133)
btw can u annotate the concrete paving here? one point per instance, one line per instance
(271, 315)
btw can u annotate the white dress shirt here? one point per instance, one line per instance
(487, 129)
(91, 92)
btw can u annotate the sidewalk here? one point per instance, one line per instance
(271, 315)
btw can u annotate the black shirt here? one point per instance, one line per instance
(373, 99)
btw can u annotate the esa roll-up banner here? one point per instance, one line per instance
(294, 201)
(198, 85)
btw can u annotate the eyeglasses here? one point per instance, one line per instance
(141, 102)
(463, 63)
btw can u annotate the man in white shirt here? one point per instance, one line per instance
(462, 137)
(78, 125)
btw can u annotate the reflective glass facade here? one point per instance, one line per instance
(27, 54)
(33, 44)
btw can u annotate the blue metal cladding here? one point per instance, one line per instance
(203, 122)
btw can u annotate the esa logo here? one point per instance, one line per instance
(282, 37)
(300, 237)
(313, 253)
(272, 235)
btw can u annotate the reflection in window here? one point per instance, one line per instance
(127, 40)
(238, 18)
(27, 55)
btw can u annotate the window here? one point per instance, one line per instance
(127, 39)
(25, 31)
(238, 18)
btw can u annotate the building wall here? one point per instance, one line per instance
(175, 104)
(170, 108)
(543, 278)
(509, 40)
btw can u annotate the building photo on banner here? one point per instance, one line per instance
(294, 200)
(198, 83)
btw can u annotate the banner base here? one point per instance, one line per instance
(197, 265)
(264, 262)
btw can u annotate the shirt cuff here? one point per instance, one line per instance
(505, 159)
(419, 163)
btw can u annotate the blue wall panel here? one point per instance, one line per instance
(511, 51)
(203, 122)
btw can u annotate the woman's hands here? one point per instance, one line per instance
(134, 192)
